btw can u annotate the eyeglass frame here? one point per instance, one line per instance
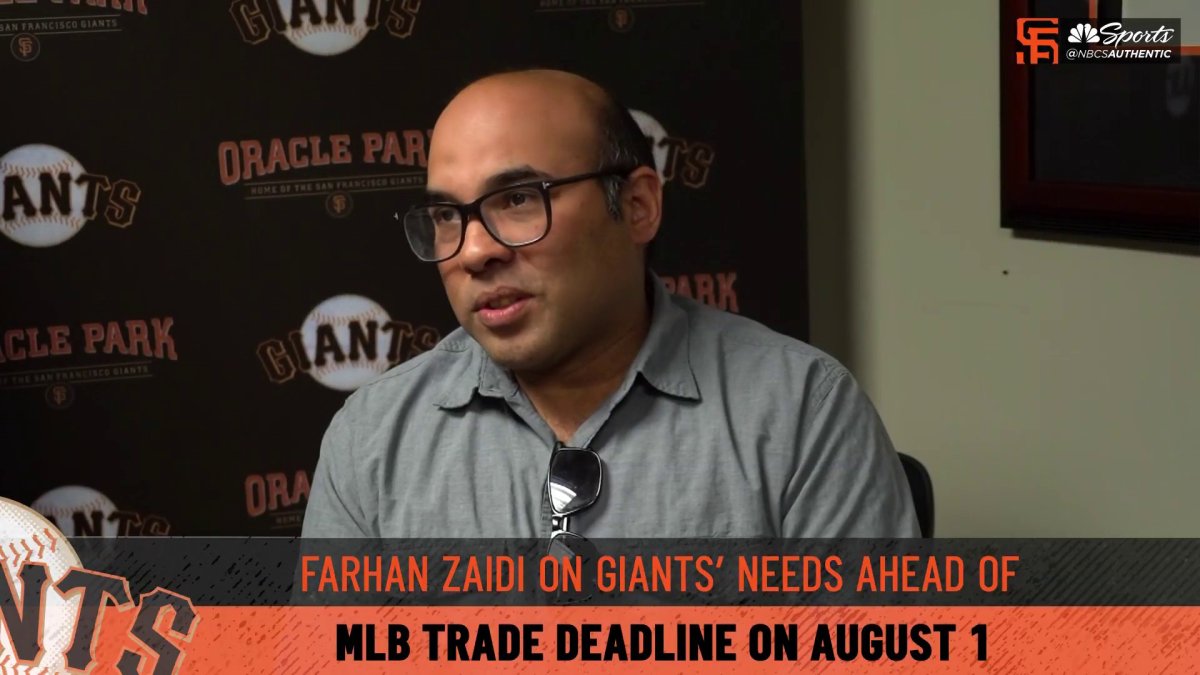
(475, 208)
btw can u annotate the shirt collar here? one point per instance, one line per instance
(663, 360)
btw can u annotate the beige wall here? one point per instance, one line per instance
(1059, 399)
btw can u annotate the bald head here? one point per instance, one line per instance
(556, 108)
(607, 135)
(556, 86)
(556, 82)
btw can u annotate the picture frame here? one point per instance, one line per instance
(1065, 198)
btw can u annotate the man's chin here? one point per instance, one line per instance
(510, 354)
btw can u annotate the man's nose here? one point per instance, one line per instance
(480, 248)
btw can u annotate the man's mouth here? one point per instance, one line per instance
(502, 307)
(499, 298)
(501, 303)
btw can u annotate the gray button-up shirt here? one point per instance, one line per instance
(722, 427)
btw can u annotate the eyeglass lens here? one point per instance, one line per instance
(517, 216)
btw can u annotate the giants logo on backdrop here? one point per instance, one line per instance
(101, 344)
(323, 27)
(714, 290)
(53, 607)
(344, 342)
(621, 17)
(278, 496)
(687, 161)
(49, 196)
(79, 511)
(48, 18)
(283, 168)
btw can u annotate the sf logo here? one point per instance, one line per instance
(1039, 40)
(25, 47)
(339, 204)
(59, 396)
(621, 19)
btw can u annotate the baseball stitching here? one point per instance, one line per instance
(39, 546)
(25, 552)
(21, 554)
(16, 669)
(333, 366)
(63, 512)
(362, 317)
(74, 221)
(353, 30)
(25, 171)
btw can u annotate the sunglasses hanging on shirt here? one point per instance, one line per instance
(573, 484)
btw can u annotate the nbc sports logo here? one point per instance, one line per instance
(1083, 32)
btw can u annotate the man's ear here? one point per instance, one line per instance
(641, 204)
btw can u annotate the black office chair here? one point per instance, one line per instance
(921, 487)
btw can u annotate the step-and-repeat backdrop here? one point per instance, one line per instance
(198, 196)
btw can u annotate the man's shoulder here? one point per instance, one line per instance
(422, 378)
(717, 329)
(755, 350)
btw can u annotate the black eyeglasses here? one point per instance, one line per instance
(515, 215)
(573, 484)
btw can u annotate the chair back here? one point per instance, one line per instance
(921, 487)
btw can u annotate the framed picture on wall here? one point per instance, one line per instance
(1100, 147)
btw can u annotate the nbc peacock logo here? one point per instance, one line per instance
(1083, 33)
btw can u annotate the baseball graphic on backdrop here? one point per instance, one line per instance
(339, 313)
(65, 504)
(316, 36)
(25, 536)
(656, 134)
(36, 164)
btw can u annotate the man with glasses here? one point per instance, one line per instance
(580, 397)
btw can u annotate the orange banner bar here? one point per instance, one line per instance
(289, 640)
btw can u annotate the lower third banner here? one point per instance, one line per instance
(284, 605)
